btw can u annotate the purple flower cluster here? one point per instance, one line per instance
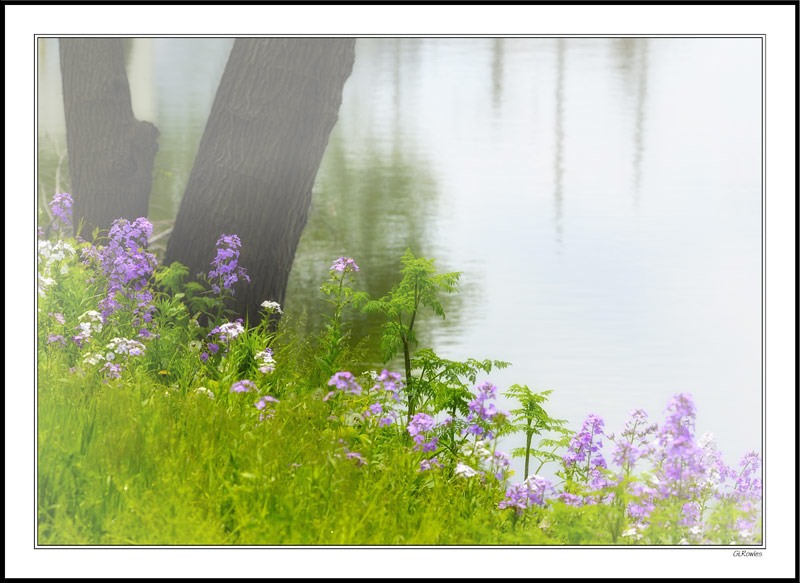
(344, 381)
(483, 412)
(61, 207)
(227, 270)
(532, 492)
(127, 267)
(261, 405)
(634, 442)
(344, 264)
(354, 455)
(390, 382)
(429, 464)
(222, 335)
(421, 429)
(56, 338)
(585, 445)
(244, 386)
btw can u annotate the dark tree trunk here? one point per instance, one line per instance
(275, 107)
(111, 153)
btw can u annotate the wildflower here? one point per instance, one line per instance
(531, 492)
(243, 386)
(127, 267)
(266, 362)
(61, 207)
(204, 391)
(344, 264)
(465, 471)
(430, 464)
(345, 381)
(227, 270)
(360, 461)
(57, 317)
(271, 306)
(586, 443)
(88, 323)
(328, 396)
(262, 402)
(56, 338)
(195, 345)
(390, 382)
(230, 330)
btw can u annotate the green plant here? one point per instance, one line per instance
(532, 419)
(419, 287)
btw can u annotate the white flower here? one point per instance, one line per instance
(708, 441)
(195, 345)
(271, 306)
(204, 391)
(110, 356)
(92, 358)
(696, 530)
(632, 532)
(465, 471)
(231, 330)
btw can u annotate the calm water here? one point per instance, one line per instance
(602, 198)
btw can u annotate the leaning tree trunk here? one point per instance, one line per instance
(275, 107)
(111, 153)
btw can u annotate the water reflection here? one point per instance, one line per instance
(632, 62)
(497, 73)
(558, 162)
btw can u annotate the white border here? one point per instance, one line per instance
(777, 22)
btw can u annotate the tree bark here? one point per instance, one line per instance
(111, 153)
(275, 107)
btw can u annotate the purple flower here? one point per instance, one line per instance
(344, 381)
(262, 402)
(127, 268)
(532, 492)
(390, 382)
(56, 338)
(243, 386)
(58, 317)
(420, 423)
(354, 455)
(227, 270)
(430, 464)
(61, 206)
(344, 264)
(586, 444)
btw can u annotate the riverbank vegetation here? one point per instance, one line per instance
(163, 419)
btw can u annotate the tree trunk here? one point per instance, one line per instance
(275, 107)
(111, 153)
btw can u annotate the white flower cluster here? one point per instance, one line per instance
(125, 348)
(204, 391)
(50, 253)
(119, 349)
(230, 330)
(465, 471)
(265, 361)
(89, 322)
(272, 306)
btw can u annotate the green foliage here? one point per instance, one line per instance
(531, 419)
(419, 287)
(167, 454)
